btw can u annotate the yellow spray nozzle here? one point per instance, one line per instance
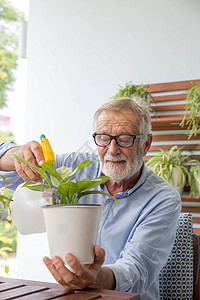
(47, 150)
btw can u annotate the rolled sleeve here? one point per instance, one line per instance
(12, 178)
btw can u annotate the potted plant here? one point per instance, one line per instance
(195, 180)
(64, 218)
(5, 198)
(130, 90)
(6, 195)
(171, 165)
(192, 115)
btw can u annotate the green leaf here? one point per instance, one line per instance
(163, 163)
(96, 192)
(35, 186)
(195, 180)
(90, 183)
(63, 172)
(192, 113)
(80, 166)
(8, 193)
(6, 269)
(4, 179)
(53, 173)
(3, 252)
(37, 169)
(69, 190)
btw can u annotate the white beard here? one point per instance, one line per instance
(122, 171)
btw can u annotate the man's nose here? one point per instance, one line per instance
(113, 148)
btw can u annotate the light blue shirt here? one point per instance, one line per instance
(137, 233)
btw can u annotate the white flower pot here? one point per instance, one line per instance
(72, 229)
(180, 187)
(198, 181)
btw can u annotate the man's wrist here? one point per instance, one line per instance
(6, 161)
(105, 279)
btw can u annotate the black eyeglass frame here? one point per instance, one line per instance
(114, 137)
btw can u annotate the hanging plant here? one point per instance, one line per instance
(195, 180)
(192, 115)
(131, 90)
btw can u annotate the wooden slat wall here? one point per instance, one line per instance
(168, 109)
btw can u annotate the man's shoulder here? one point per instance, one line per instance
(160, 185)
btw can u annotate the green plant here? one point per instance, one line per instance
(131, 90)
(69, 191)
(5, 194)
(195, 180)
(6, 136)
(6, 241)
(163, 164)
(4, 249)
(192, 115)
(9, 22)
(8, 230)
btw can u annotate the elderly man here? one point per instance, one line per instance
(137, 233)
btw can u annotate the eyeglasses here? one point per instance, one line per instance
(122, 140)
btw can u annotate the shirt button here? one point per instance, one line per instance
(109, 201)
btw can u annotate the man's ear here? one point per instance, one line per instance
(147, 144)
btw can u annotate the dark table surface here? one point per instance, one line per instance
(11, 288)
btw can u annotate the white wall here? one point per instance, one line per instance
(78, 53)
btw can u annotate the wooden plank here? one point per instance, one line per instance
(174, 107)
(147, 157)
(31, 283)
(196, 220)
(173, 97)
(182, 146)
(82, 295)
(166, 126)
(191, 209)
(9, 286)
(174, 137)
(20, 291)
(196, 230)
(112, 293)
(188, 198)
(171, 86)
(137, 297)
(169, 118)
(49, 294)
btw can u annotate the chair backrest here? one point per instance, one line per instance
(176, 276)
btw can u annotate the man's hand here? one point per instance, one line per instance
(81, 275)
(31, 152)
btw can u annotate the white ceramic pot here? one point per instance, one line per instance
(72, 229)
(180, 187)
(198, 181)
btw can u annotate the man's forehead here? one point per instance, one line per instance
(125, 119)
